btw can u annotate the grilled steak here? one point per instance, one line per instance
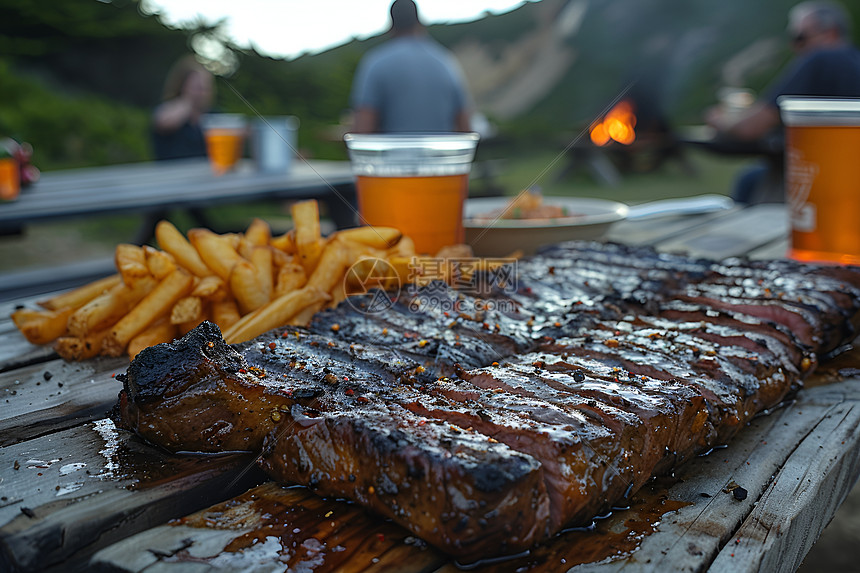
(485, 429)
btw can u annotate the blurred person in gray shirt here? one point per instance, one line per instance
(411, 83)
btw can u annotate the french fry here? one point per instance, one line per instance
(171, 240)
(309, 243)
(245, 248)
(304, 316)
(333, 264)
(376, 237)
(217, 251)
(225, 313)
(243, 283)
(233, 239)
(81, 295)
(356, 251)
(280, 258)
(258, 233)
(405, 268)
(131, 263)
(106, 309)
(370, 272)
(455, 252)
(291, 276)
(309, 255)
(74, 348)
(210, 288)
(261, 258)
(338, 295)
(404, 248)
(424, 270)
(41, 326)
(189, 325)
(285, 243)
(152, 307)
(277, 313)
(186, 309)
(157, 333)
(159, 263)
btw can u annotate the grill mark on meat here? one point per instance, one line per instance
(613, 367)
(702, 311)
(728, 330)
(726, 386)
(562, 439)
(803, 322)
(429, 333)
(636, 420)
(452, 486)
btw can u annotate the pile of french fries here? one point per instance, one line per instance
(247, 283)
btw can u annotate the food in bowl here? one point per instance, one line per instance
(527, 205)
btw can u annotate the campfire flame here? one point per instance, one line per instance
(617, 125)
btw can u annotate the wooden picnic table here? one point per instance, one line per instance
(153, 187)
(77, 494)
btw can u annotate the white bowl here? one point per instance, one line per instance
(587, 219)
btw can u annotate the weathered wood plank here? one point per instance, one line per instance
(71, 493)
(55, 395)
(775, 250)
(803, 497)
(15, 351)
(653, 230)
(735, 234)
(272, 528)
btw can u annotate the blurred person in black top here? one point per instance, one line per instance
(826, 65)
(188, 94)
(176, 130)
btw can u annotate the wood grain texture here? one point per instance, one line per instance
(54, 395)
(72, 492)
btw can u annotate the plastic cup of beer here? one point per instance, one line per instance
(225, 139)
(822, 178)
(416, 183)
(10, 182)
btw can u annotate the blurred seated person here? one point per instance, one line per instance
(188, 94)
(826, 65)
(411, 83)
(176, 130)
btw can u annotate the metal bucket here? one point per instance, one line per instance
(273, 143)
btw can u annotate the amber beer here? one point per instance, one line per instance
(225, 138)
(224, 147)
(416, 183)
(10, 182)
(822, 172)
(428, 209)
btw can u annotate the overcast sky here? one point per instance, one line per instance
(288, 28)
